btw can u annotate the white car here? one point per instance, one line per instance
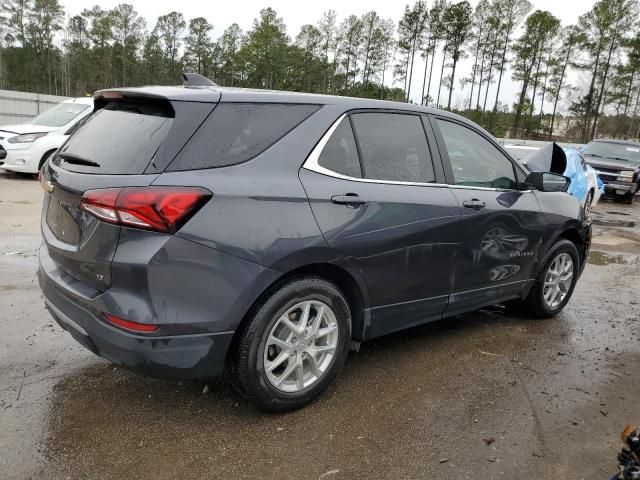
(25, 147)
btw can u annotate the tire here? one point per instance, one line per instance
(535, 303)
(257, 382)
(630, 199)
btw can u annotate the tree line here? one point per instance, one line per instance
(592, 67)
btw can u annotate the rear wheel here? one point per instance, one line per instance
(293, 345)
(554, 284)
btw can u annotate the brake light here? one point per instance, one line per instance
(129, 325)
(161, 209)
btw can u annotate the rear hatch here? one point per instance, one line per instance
(127, 141)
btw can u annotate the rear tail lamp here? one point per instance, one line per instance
(161, 209)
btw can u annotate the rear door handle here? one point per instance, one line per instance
(348, 199)
(474, 203)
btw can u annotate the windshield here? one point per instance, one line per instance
(60, 115)
(617, 151)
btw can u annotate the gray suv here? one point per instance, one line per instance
(190, 231)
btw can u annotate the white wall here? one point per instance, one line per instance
(20, 107)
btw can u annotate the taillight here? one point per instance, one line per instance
(129, 325)
(162, 209)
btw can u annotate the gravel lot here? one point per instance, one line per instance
(481, 396)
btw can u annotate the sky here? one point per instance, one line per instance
(297, 13)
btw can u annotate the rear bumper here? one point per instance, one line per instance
(178, 356)
(195, 294)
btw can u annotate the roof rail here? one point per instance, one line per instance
(196, 80)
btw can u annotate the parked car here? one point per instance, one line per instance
(189, 229)
(585, 184)
(618, 165)
(25, 147)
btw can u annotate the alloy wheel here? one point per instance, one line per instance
(558, 280)
(301, 346)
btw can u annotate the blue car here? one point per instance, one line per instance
(585, 185)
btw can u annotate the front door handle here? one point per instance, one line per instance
(348, 199)
(474, 203)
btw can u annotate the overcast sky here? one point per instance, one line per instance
(297, 13)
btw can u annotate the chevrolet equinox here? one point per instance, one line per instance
(195, 230)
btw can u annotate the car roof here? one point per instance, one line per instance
(620, 142)
(232, 94)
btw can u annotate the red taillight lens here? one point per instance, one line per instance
(162, 209)
(128, 325)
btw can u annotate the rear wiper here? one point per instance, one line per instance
(77, 159)
(594, 155)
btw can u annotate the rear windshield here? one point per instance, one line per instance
(120, 138)
(237, 132)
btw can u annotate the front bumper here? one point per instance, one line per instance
(20, 161)
(618, 189)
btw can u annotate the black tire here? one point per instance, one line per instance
(246, 363)
(630, 199)
(534, 303)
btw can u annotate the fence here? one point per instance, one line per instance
(20, 107)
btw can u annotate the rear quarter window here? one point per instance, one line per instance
(237, 132)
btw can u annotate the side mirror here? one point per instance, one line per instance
(547, 182)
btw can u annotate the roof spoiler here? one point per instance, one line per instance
(196, 80)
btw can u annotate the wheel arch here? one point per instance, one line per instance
(571, 233)
(351, 287)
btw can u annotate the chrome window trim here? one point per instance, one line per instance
(312, 164)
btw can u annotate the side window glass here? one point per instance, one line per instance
(393, 147)
(237, 132)
(340, 154)
(475, 161)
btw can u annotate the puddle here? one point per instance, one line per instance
(601, 258)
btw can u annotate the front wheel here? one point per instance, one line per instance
(554, 284)
(293, 345)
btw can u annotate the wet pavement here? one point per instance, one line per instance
(482, 396)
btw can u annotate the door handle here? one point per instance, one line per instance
(474, 203)
(348, 199)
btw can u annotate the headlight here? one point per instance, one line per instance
(625, 176)
(27, 137)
